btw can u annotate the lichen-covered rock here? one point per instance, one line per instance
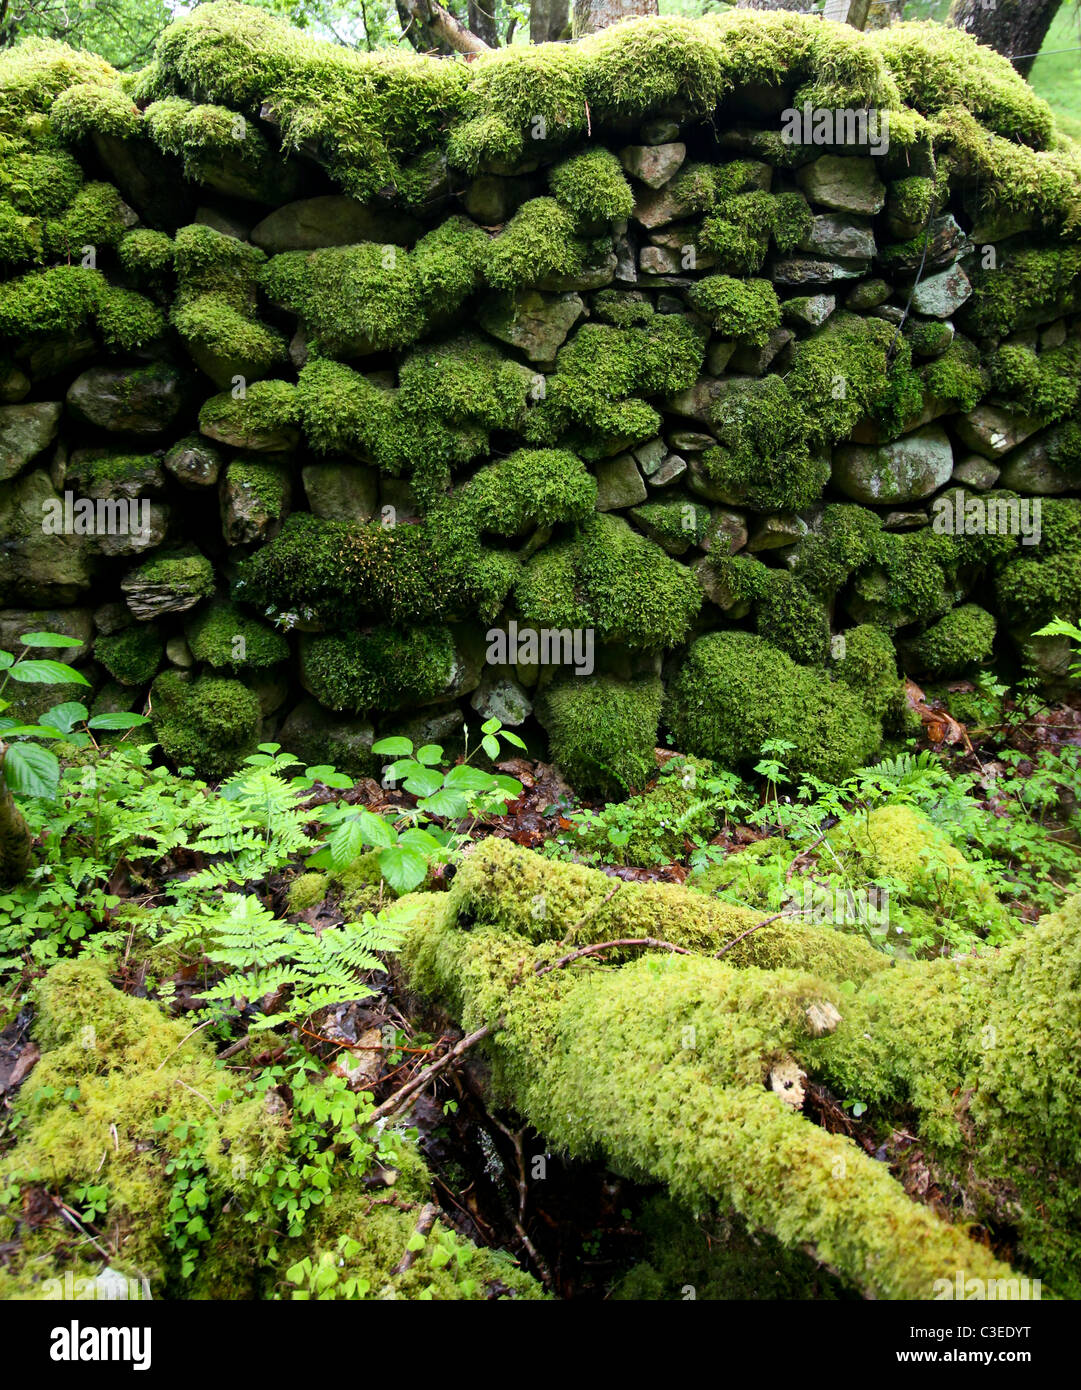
(25, 430)
(912, 468)
(127, 400)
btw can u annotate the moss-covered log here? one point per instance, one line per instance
(670, 1065)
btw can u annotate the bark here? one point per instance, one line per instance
(549, 20)
(1015, 28)
(432, 29)
(482, 21)
(689, 1070)
(591, 15)
(14, 835)
(853, 12)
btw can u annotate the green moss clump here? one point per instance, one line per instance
(306, 891)
(531, 487)
(464, 381)
(224, 636)
(734, 691)
(956, 378)
(21, 238)
(267, 410)
(592, 186)
(602, 731)
(867, 663)
(793, 619)
(101, 108)
(95, 218)
(844, 372)
(379, 670)
(1047, 386)
(133, 656)
(537, 242)
(763, 459)
(264, 480)
(739, 229)
(125, 319)
(184, 570)
(623, 308)
(963, 638)
(742, 309)
(1035, 590)
(146, 253)
(1030, 284)
(912, 200)
(912, 578)
(375, 296)
(842, 543)
(209, 724)
(40, 182)
(65, 299)
(205, 136)
(927, 337)
(610, 578)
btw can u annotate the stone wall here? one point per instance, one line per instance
(739, 349)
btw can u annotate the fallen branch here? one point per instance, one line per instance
(425, 1222)
(792, 912)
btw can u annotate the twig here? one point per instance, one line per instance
(650, 941)
(792, 912)
(425, 1222)
(591, 913)
(205, 1024)
(395, 1102)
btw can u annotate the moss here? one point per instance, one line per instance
(267, 409)
(763, 459)
(95, 218)
(380, 295)
(183, 570)
(792, 619)
(602, 731)
(927, 337)
(21, 239)
(742, 309)
(868, 664)
(842, 543)
(912, 200)
(208, 724)
(146, 253)
(1047, 385)
(214, 308)
(843, 373)
(223, 636)
(610, 578)
(734, 691)
(131, 656)
(40, 183)
(963, 638)
(62, 301)
(677, 523)
(1029, 284)
(1034, 590)
(913, 578)
(95, 108)
(740, 227)
(623, 308)
(592, 187)
(464, 381)
(537, 242)
(306, 891)
(262, 481)
(955, 378)
(127, 320)
(383, 669)
(531, 487)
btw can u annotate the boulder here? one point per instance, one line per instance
(1030, 469)
(910, 468)
(619, 483)
(500, 696)
(254, 499)
(843, 183)
(340, 491)
(194, 463)
(654, 165)
(331, 220)
(129, 400)
(992, 432)
(534, 323)
(940, 296)
(25, 430)
(834, 235)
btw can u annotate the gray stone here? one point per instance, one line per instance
(57, 356)
(911, 468)
(154, 524)
(946, 241)
(107, 474)
(491, 200)
(814, 270)
(670, 471)
(656, 207)
(654, 165)
(683, 243)
(696, 402)
(36, 568)
(869, 295)
(241, 435)
(992, 432)
(500, 696)
(727, 532)
(254, 497)
(317, 737)
(905, 521)
(14, 383)
(777, 530)
(940, 296)
(331, 220)
(626, 259)
(1030, 469)
(889, 313)
(194, 463)
(340, 491)
(754, 360)
(659, 132)
(659, 260)
(77, 623)
(619, 483)
(810, 310)
(24, 431)
(843, 183)
(151, 591)
(534, 323)
(128, 400)
(178, 653)
(834, 235)
(1053, 336)
(718, 355)
(690, 441)
(974, 471)
(593, 276)
(650, 455)
(110, 618)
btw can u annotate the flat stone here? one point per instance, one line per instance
(843, 183)
(340, 491)
(777, 530)
(974, 471)
(815, 270)
(810, 310)
(534, 323)
(992, 432)
(25, 430)
(619, 483)
(670, 471)
(946, 241)
(940, 296)
(139, 400)
(659, 260)
(834, 235)
(696, 402)
(500, 696)
(656, 207)
(650, 455)
(910, 468)
(654, 165)
(331, 220)
(905, 521)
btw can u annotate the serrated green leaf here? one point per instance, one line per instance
(48, 639)
(403, 868)
(394, 747)
(118, 720)
(31, 770)
(45, 672)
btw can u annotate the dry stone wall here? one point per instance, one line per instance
(696, 379)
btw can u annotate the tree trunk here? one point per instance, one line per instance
(482, 21)
(1015, 28)
(591, 15)
(549, 20)
(432, 29)
(690, 1070)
